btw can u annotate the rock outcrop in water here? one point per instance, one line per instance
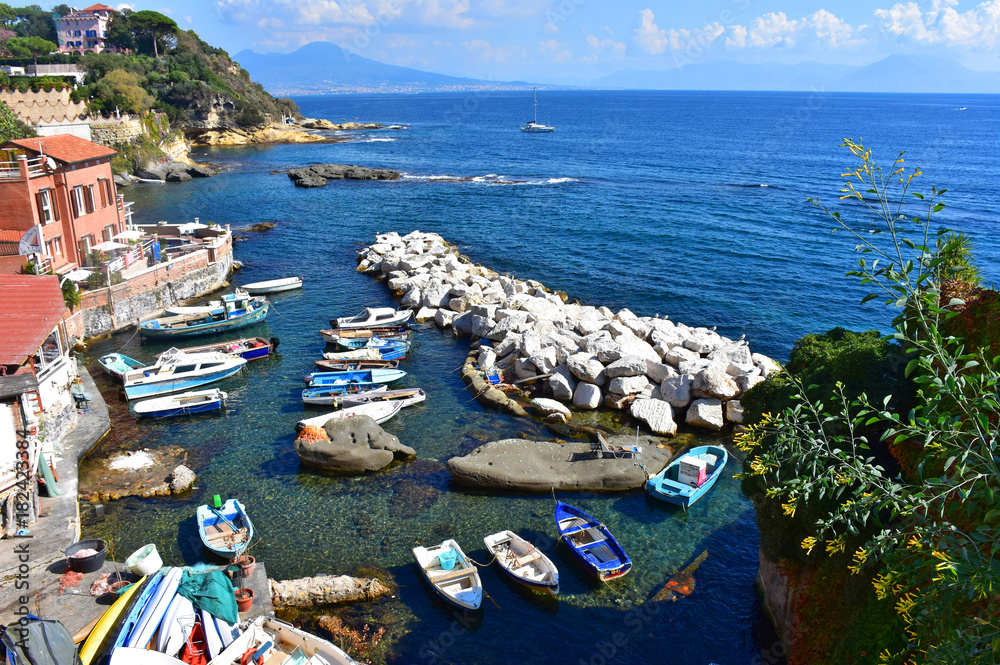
(579, 355)
(324, 590)
(538, 466)
(350, 445)
(317, 174)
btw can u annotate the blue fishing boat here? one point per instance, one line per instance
(350, 340)
(689, 477)
(331, 394)
(591, 543)
(225, 528)
(376, 375)
(118, 365)
(237, 311)
(250, 348)
(196, 401)
(181, 372)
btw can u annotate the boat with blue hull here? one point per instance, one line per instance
(185, 404)
(689, 477)
(377, 375)
(248, 348)
(181, 372)
(591, 543)
(225, 528)
(237, 311)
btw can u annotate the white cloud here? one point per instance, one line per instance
(649, 37)
(189, 20)
(486, 52)
(551, 27)
(975, 29)
(447, 13)
(558, 51)
(125, 5)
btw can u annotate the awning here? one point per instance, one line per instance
(129, 234)
(77, 275)
(109, 245)
(16, 384)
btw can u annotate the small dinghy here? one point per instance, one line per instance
(591, 543)
(180, 310)
(386, 351)
(405, 396)
(371, 317)
(453, 576)
(248, 348)
(523, 562)
(196, 401)
(269, 640)
(689, 477)
(348, 340)
(379, 412)
(273, 286)
(226, 529)
(347, 365)
(118, 365)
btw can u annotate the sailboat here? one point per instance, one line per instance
(533, 126)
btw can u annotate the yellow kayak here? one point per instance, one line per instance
(107, 624)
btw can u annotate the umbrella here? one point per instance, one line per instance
(129, 234)
(108, 245)
(78, 274)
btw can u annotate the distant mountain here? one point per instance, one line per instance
(322, 67)
(896, 73)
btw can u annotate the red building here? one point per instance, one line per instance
(60, 189)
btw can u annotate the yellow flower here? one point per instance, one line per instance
(808, 544)
(835, 545)
(789, 508)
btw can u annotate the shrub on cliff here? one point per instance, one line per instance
(930, 539)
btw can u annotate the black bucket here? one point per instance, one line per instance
(86, 564)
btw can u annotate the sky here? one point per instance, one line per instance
(585, 39)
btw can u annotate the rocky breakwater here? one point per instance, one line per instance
(663, 372)
(349, 445)
(317, 174)
(174, 171)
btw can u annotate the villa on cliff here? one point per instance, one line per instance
(37, 379)
(60, 201)
(85, 30)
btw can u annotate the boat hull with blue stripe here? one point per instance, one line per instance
(118, 365)
(666, 485)
(180, 374)
(591, 543)
(379, 375)
(185, 404)
(217, 321)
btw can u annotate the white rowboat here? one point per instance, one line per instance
(459, 584)
(379, 412)
(273, 286)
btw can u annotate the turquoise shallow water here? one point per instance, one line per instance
(647, 200)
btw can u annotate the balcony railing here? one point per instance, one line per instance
(12, 170)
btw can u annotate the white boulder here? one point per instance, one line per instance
(658, 415)
(705, 413)
(586, 396)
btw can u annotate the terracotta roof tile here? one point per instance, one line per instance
(30, 307)
(98, 7)
(8, 235)
(63, 147)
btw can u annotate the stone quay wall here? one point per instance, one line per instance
(582, 356)
(146, 294)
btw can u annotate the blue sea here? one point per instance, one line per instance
(691, 205)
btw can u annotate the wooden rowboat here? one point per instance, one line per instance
(226, 531)
(348, 365)
(458, 581)
(523, 562)
(591, 543)
(371, 317)
(273, 286)
(405, 396)
(195, 401)
(379, 412)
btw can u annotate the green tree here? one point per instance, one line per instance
(930, 536)
(23, 47)
(120, 32)
(153, 25)
(7, 16)
(33, 21)
(11, 127)
(62, 10)
(121, 89)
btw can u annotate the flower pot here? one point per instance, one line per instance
(246, 564)
(244, 599)
(119, 587)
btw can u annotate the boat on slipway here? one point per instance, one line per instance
(180, 372)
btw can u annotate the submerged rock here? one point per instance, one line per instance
(317, 174)
(355, 445)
